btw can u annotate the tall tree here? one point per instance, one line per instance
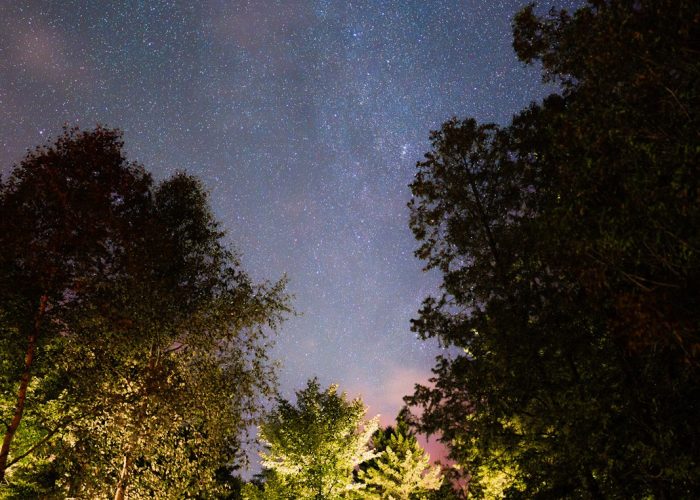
(67, 211)
(202, 352)
(568, 246)
(629, 136)
(313, 446)
(158, 352)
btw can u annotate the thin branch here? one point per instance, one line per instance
(43, 440)
(176, 347)
(680, 105)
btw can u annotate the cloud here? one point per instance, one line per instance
(260, 26)
(41, 50)
(386, 396)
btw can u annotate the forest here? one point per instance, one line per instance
(135, 348)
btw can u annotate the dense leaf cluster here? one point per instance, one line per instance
(133, 344)
(323, 448)
(312, 447)
(569, 247)
(402, 469)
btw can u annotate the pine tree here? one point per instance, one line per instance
(401, 471)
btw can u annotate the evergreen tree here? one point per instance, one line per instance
(402, 469)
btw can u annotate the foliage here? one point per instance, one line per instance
(401, 470)
(64, 223)
(628, 135)
(274, 487)
(568, 247)
(313, 446)
(148, 342)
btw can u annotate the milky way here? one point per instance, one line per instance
(303, 118)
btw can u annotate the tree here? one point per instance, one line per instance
(271, 485)
(313, 446)
(401, 470)
(157, 357)
(197, 376)
(630, 81)
(67, 210)
(568, 247)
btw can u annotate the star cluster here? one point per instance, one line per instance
(304, 118)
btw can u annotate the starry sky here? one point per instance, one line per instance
(304, 118)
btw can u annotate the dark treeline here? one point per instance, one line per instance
(568, 242)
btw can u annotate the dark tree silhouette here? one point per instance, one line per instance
(67, 211)
(146, 338)
(568, 244)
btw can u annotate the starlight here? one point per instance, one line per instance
(304, 119)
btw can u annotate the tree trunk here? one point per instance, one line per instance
(23, 384)
(490, 240)
(120, 493)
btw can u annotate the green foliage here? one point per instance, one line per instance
(68, 211)
(275, 487)
(568, 247)
(313, 446)
(402, 469)
(150, 344)
(319, 449)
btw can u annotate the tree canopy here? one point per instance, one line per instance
(401, 470)
(137, 342)
(568, 246)
(313, 446)
(322, 448)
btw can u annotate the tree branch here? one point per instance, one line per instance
(43, 440)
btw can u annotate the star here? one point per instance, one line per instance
(304, 119)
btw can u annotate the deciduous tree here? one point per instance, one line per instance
(154, 346)
(314, 445)
(568, 247)
(67, 211)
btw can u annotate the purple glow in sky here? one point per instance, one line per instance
(304, 119)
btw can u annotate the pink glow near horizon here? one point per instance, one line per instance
(386, 400)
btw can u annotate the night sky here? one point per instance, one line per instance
(303, 118)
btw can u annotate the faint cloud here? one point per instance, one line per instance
(385, 397)
(41, 50)
(261, 26)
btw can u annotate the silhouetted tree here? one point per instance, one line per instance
(153, 339)
(67, 212)
(568, 245)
